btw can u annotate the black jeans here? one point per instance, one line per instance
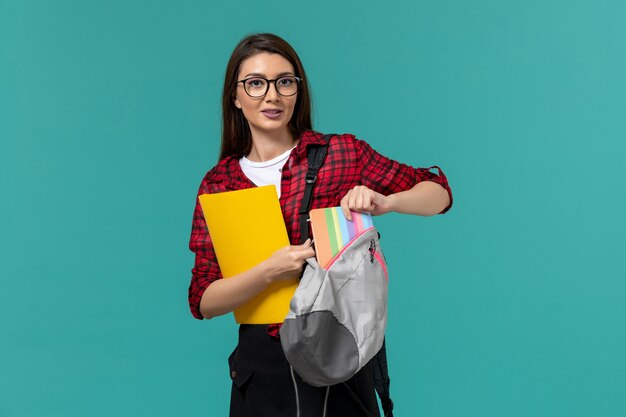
(264, 384)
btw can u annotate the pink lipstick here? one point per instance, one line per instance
(272, 114)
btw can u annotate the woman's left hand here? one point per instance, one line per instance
(362, 199)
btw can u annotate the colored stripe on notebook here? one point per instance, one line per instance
(332, 234)
(343, 224)
(351, 228)
(337, 223)
(367, 221)
(358, 222)
(322, 239)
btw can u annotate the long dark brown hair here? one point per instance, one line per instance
(236, 136)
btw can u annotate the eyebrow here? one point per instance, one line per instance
(258, 74)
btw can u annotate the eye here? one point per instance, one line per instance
(255, 82)
(286, 81)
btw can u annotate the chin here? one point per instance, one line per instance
(272, 127)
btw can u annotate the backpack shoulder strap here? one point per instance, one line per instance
(315, 157)
(381, 380)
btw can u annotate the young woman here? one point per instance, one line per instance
(267, 127)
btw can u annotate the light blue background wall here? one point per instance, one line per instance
(513, 304)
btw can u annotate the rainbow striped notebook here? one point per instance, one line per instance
(332, 231)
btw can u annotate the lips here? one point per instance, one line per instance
(272, 113)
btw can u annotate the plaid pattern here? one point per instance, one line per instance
(349, 162)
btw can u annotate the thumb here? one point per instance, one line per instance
(305, 245)
(377, 199)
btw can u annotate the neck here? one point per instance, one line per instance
(268, 145)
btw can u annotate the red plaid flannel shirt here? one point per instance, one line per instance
(349, 162)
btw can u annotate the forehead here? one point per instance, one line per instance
(265, 64)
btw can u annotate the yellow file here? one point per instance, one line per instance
(247, 227)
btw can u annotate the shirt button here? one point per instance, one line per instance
(233, 374)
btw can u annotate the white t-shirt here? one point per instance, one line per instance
(267, 172)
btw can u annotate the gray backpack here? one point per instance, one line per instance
(337, 317)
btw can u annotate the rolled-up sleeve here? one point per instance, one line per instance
(386, 176)
(206, 269)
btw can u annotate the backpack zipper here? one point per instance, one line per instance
(378, 256)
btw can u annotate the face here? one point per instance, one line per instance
(272, 112)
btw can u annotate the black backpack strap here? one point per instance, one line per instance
(381, 380)
(315, 157)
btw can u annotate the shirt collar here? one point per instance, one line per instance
(308, 137)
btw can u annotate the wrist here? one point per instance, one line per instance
(390, 204)
(264, 272)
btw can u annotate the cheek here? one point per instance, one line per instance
(247, 105)
(292, 106)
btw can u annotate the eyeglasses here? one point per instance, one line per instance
(258, 86)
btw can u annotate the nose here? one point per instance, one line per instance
(272, 93)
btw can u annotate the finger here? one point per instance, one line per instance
(377, 201)
(309, 253)
(344, 207)
(302, 255)
(376, 198)
(303, 248)
(358, 201)
(352, 201)
(370, 205)
(361, 200)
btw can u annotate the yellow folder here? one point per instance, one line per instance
(247, 227)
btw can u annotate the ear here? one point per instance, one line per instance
(237, 103)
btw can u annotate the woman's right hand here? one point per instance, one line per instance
(225, 295)
(287, 262)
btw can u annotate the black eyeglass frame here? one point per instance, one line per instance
(267, 86)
